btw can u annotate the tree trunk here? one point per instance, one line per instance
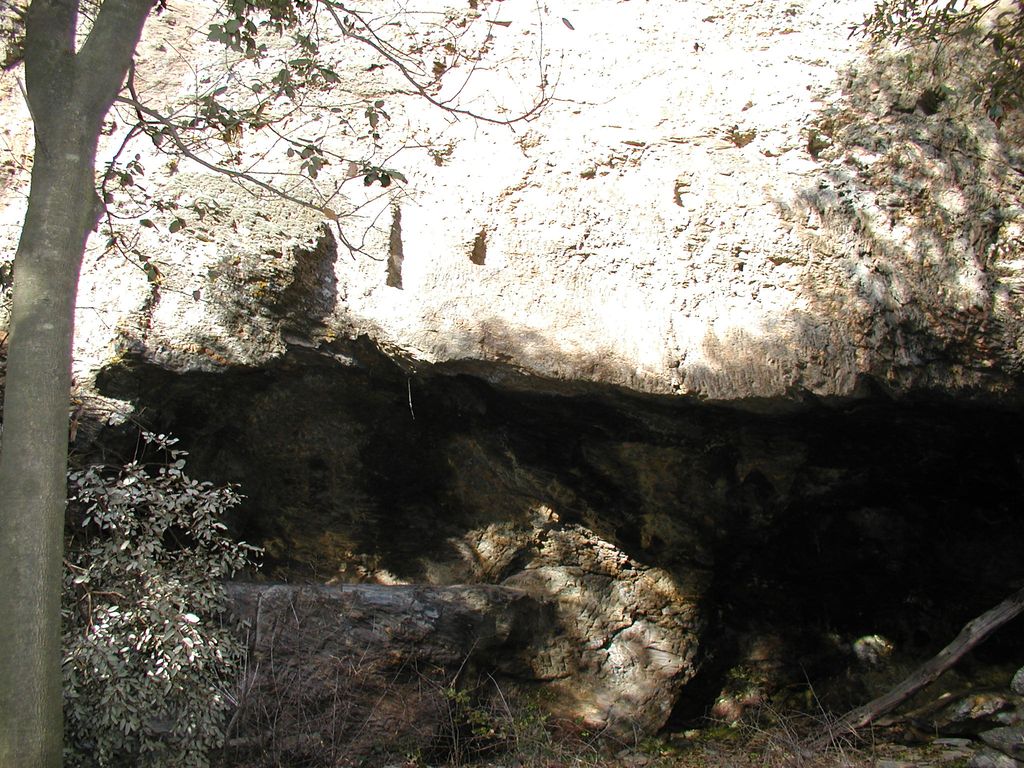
(33, 462)
(69, 94)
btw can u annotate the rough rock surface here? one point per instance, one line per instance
(629, 634)
(1008, 740)
(723, 201)
(371, 671)
(977, 712)
(604, 638)
(1017, 683)
(990, 758)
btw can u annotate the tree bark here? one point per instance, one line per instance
(68, 97)
(33, 464)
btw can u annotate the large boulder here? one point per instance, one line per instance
(372, 673)
(628, 636)
(606, 645)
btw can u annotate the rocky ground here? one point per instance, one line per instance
(424, 676)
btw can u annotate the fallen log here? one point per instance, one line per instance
(973, 633)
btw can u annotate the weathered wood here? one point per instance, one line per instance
(973, 633)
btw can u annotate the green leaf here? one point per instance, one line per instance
(152, 273)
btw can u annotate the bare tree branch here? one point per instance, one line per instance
(171, 131)
(385, 51)
(973, 633)
(108, 52)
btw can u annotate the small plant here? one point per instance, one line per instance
(739, 137)
(995, 29)
(147, 664)
(488, 724)
(384, 176)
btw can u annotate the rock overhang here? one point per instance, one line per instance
(697, 317)
(692, 232)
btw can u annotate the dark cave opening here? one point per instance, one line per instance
(812, 525)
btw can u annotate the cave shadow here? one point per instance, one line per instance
(324, 451)
(349, 458)
(776, 502)
(912, 232)
(826, 518)
(923, 191)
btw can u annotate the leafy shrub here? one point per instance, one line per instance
(147, 664)
(997, 28)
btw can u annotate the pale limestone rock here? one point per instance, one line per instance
(630, 634)
(662, 225)
(719, 203)
(628, 637)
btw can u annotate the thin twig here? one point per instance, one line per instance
(380, 46)
(172, 131)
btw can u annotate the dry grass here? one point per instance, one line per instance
(336, 713)
(491, 729)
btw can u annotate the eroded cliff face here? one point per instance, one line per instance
(719, 201)
(725, 344)
(667, 537)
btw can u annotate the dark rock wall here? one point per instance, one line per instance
(840, 518)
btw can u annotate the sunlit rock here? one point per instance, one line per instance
(722, 332)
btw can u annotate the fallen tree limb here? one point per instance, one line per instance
(973, 633)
